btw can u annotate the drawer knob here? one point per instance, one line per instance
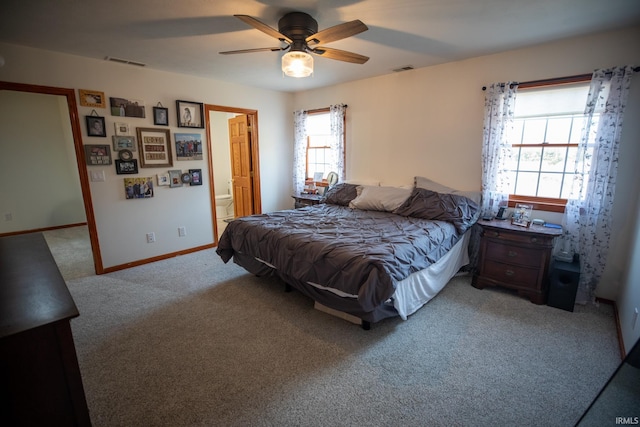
(534, 239)
(509, 272)
(512, 254)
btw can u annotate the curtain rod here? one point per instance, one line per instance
(318, 110)
(557, 80)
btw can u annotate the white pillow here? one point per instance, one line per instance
(373, 198)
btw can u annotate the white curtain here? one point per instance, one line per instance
(499, 106)
(336, 161)
(299, 150)
(587, 218)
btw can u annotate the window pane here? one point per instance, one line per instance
(534, 131)
(527, 183)
(566, 186)
(514, 135)
(312, 156)
(576, 130)
(550, 185)
(530, 158)
(553, 159)
(558, 130)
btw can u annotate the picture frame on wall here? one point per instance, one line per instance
(161, 116)
(188, 146)
(91, 98)
(95, 126)
(124, 107)
(174, 178)
(97, 154)
(127, 142)
(126, 166)
(163, 179)
(196, 176)
(155, 147)
(138, 188)
(190, 114)
(121, 128)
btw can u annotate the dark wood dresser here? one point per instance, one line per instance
(515, 257)
(302, 200)
(40, 382)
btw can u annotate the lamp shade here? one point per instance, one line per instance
(297, 64)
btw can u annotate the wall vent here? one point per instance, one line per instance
(405, 68)
(124, 61)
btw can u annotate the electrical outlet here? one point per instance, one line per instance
(182, 231)
(151, 237)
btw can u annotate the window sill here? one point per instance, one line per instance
(539, 203)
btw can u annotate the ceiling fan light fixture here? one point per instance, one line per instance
(297, 64)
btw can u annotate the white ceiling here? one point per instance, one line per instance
(185, 36)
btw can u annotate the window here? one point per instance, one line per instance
(318, 144)
(548, 125)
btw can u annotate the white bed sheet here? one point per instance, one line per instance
(421, 286)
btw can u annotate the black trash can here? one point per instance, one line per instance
(563, 284)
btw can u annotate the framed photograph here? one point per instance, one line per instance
(161, 116)
(174, 178)
(126, 166)
(97, 155)
(155, 148)
(163, 179)
(196, 176)
(127, 107)
(190, 114)
(124, 143)
(138, 188)
(188, 146)
(522, 215)
(122, 129)
(91, 98)
(95, 126)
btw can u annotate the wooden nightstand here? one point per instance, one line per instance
(303, 200)
(515, 257)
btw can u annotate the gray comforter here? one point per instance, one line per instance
(351, 254)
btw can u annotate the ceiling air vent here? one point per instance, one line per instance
(124, 61)
(405, 68)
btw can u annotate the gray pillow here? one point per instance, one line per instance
(426, 204)
(340, 194)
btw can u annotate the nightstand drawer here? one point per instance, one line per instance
(522, 276)
(510, 254)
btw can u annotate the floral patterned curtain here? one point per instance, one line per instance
(299, 150)
(336, 161)
(587, 217)
(499, 103)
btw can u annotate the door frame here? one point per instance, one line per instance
(78, 144)
(252, 117)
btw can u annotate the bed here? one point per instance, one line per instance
(370, 252)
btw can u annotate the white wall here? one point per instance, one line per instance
(122, 224)
(37, 163)
(429, 122)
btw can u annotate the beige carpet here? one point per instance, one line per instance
(190, 341)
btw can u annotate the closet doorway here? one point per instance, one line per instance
(234, 170)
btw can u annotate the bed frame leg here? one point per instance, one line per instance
(366, 325)
(287, 287)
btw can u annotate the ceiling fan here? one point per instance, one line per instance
(299, 33)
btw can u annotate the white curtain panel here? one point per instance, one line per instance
(336, 161)
(299, 150)
(587, 217)
(499, 106)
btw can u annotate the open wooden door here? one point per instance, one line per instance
(241, 165)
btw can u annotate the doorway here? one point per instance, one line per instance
(220, 160)
(67, 96)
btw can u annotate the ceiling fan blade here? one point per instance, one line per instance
(260, 49)
(263, 27)
(338, 32)
(340, 55)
